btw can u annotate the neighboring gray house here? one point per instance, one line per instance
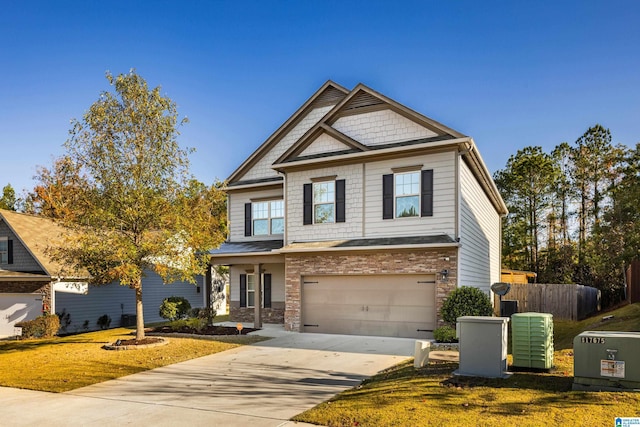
(359, 216)
(31, 283)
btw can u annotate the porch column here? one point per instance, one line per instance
(257, 311)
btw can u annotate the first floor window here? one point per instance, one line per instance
(248, 287)
(251, 290)
(4, 250)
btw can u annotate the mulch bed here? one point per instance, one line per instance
(209, 330)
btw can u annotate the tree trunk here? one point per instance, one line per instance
(139, 312)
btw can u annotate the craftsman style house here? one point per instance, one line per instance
(359, 216)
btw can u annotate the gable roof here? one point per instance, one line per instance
(328, 94)
(363, 99)
(36, 234)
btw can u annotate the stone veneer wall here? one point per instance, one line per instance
(387, 262)
(29, 288)
(243, 314)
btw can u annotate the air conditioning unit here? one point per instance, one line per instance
(606, 361)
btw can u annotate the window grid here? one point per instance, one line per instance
(407, 194)
(4, 250)
(324, 197)
(268, 217)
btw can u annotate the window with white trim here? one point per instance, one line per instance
(407, 194)
(4, 250)
(324, 202)
(268, 217)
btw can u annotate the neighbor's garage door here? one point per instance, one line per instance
(15, 308)
(382, 305)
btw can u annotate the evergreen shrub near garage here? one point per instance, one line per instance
(465, 301)
(174, 308)
(45, 326)
(445, 334)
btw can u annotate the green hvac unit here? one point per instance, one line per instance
(532, 340)
(606, 361)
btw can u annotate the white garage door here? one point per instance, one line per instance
(380, 305)
(15, 308)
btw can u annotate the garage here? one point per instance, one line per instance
(15, 308)
(379, 305)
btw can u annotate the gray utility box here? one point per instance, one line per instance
(606, 361)
(483, 346)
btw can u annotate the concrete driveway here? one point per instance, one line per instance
(259, 385)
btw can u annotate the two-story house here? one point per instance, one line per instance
(359, 216)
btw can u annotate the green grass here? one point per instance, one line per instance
(432, 396)
(66, 363)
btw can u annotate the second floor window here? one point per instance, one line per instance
(407, 194)
(264, 218)
(268, 217)
(324, 202)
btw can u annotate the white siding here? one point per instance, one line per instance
(236, 213)
(443, 219)
(262, 169)
(352, 227)
(381, 127)
(277, 280)
(115, 300)
(324, 144)
(479, 263)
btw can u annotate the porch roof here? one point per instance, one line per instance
(434, 241)
(257, 247)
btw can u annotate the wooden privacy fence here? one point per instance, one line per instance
(573, 302)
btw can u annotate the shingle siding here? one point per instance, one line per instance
(22, 259)
(381, 127)
(262, 169)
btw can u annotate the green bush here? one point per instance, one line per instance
(173, 308)
(45, 326)
(465, 301)
(445, 334)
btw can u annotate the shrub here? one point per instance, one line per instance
(45, 326)
(465, 301)
(445, 334)
(104, 321)
(173, 308)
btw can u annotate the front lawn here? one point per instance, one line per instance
(66, 363)
(432, 396)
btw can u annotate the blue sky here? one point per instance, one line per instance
(508, 73)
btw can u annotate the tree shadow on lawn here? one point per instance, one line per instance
(35, 344)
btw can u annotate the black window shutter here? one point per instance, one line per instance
(267, 291)
(426, 208)
(340, 200)
(247, 219)
(10, 251)
(243, 290)
(387, 196)
(307, 202)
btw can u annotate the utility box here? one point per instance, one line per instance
(532, 340)
(606, 361)
(508, 307)
(483, 346)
